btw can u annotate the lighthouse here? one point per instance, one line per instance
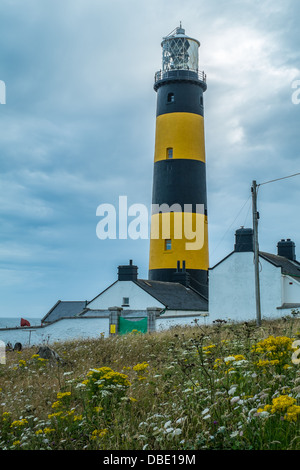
(179, 225)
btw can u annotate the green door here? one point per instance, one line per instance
(127, 325)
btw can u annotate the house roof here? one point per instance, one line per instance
(64, 309)
(289, 267)
(173, 295)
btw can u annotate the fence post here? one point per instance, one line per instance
(114, 314)
(152, 314)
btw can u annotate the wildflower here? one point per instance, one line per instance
(5, 415)
(48, 430)
(234, 400)
(177, 432)
(77, 418)
(55, 415)
(98, 433)
(98, 409)
(62, 395)
(239, 357)
(19, 423)
(140, 367)
(56, 404)
(283, 405)
(229, 359)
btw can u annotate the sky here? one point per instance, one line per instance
(77, 130)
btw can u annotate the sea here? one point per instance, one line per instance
(12, 322)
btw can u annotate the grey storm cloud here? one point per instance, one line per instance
(78, 130)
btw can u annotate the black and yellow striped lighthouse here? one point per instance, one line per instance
(179, 230)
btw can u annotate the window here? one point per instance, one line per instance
(201, 100)
(125, 302)
(169, 152)
(171, 98)
(168, 245)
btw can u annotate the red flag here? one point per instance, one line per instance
(24, 322)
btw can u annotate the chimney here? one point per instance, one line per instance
(243, 240)
(286, 248)
(128, 273)
(181, 276)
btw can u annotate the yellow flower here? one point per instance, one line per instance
(48, 430)
(19, 423)
(98, 433)
(61, 395)
(239, 357)
(55, 415)
(56, 404)
(78, 418)
(140, 367)
(286, 405)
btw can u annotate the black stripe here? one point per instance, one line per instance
(198, 278)
(187, 98)
(180, 181)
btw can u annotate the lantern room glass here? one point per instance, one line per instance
(179, 53)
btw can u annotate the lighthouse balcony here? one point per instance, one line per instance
(180, 74)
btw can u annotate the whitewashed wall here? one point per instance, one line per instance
(62, 330)
(166, 322)
(113, 297)
(232, 289)
(291, 290)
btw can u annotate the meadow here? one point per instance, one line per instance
(218, 387)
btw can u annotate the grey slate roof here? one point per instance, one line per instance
(292, 268)
(63, 309)
(173, 295)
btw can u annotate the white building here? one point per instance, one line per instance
(232, 282)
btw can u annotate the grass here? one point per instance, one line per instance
(225, 386)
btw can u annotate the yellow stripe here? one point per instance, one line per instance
(189, 237)
(184, 132)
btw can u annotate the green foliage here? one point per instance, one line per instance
(193, 388)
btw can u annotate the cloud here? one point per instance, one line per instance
(78, 130)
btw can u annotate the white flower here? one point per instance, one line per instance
(229, 359)
(180, 420)
(234, 400)
(232, 391)
(205, 411)
(264, 414)
(206, 417)
(177, 432)
(167, 424)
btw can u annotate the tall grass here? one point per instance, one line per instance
(224, 386)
